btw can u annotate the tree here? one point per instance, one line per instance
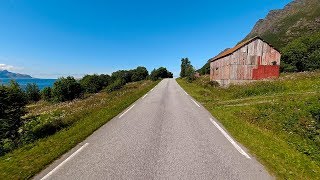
(66, 89)
(302, 54)
(160, 74)
(46, 93)
(140, 73)
(33, 92)
(12, 108)
(123, 74)
(185, 63)
(187, 70)
(105, 80)
(190, 71)
(91, 83)
(205, 69)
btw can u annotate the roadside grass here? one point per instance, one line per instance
(278, 121)
(84, 116)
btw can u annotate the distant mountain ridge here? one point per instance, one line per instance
(298, 18)
(7, 74)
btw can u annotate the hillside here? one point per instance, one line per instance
(278, 121)
(298, 18)
(7, 74)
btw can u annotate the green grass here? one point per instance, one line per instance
(86, 115)
(278, 121)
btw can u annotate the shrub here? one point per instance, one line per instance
(41, 126)
(117, 84)
(66, 89)
(91, 83)
(32, 92)
(12, 108)
(302, 54)
(160, 73)
(46, 93)
(140, 73)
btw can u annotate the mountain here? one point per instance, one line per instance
(7, 74)
(296, 19)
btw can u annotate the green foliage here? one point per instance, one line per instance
(140, 73)
(133, 75)
(91, 83)
(205, 69)
(46, 93)
(126, 75)
(88, 114)
(32, 92)
(278, 121)
(302, 54)
(105, 80)
(12, 108)
(116, 85)
(187, 70)
(37, 127)
(66, 89)
(160, 73)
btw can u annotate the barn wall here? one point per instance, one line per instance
(254, 61)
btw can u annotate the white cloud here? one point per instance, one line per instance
(8, 67)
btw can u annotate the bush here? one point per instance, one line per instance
(302, 54)
(117, 84)
(41, 126)
(66, 89)
(105, 80)
(160, 74)
(141, 73)
(46, 93)
(33, 92)
(91, 83)
(12, 108)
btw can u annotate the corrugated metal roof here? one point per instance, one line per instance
(232, 50)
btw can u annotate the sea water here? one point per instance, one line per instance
(42, 83)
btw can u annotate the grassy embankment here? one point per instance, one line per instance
(85, 116)
(278, 121)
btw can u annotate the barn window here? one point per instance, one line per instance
(274, 63)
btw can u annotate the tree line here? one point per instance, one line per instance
(187, 70)
(13, 99)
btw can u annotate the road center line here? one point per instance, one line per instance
(230, 139)
(144, 96)
(66, 160)
(126, 111)
(195, 103)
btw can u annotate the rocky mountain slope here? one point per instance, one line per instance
(298, 18)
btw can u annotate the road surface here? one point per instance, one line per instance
(164, 135)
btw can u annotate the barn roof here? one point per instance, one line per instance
(232, 50)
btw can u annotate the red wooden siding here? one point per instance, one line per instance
(251, 60)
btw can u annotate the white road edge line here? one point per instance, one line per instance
(151, 89)
(126, 111)
(195, 103)
(230, 139)
(186, 93)
(66, 160)
(144, 96)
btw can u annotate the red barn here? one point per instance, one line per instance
(250, 60)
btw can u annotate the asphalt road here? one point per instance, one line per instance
(164, 135)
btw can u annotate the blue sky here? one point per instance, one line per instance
(54, 38)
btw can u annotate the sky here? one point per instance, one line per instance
(54, 38)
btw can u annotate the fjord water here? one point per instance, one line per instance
(42, 83)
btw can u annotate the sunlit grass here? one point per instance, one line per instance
(85, 116)
(274, 119)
